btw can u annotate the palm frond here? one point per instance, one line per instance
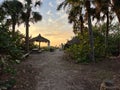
(60, 6)
(38, 3)
(36, 16)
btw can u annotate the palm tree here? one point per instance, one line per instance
(75, 14)
(103, 6)
(76, 17)
(30, 16)
(13, 9)
(80, 4)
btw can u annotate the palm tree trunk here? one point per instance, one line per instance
(106, 34)
(27, 36)
(13, 27)
(27, 28)
(13, 30)
(81, 24)
(91, 38)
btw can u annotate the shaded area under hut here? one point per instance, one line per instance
(40, 39)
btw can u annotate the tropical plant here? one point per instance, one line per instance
(12, 8)
(28, 15)
(10, 55)
(79, 4)
(80, 52)
(103, 12)
(114, 40)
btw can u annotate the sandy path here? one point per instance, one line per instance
(50, 71)
(54, 72)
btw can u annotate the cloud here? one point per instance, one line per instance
(50, 20)
(54, 25)
(49, 13)
(59, 1)
(42, 0)
(50, 4)
(57, 33)
(51, 34)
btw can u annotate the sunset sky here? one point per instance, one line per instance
(54, 24)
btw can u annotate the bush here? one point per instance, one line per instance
(10, 54)
(81, 52)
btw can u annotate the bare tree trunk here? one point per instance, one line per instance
(27, 36)
(27, 28)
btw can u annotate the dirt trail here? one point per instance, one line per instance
(55, 73)
(50, 71)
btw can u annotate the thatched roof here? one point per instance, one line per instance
(39, 38)
(75, 40)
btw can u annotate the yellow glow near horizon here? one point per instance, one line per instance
(54, 25)
(55, 34)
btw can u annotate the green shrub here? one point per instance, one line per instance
(9, 52)
(81, 52)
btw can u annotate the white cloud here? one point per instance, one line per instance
(50, 20)
(42, 0)
(50, 4)
(49, 13)
(59, 1)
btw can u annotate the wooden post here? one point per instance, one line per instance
(39, 45)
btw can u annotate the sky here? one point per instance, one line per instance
(54, 25)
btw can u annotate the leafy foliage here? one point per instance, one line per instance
(8, 49)
(114, 40)
(10, 54)
(81, 52)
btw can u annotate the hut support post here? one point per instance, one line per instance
(48, 45)
(39, 45)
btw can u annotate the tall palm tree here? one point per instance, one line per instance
(75, 14)
(28, 15)
(82, 4)
(13, 8)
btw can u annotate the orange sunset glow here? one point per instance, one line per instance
(54, 25)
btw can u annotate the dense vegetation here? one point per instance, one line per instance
(13, 44)
(95, 25)
(91, 42)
